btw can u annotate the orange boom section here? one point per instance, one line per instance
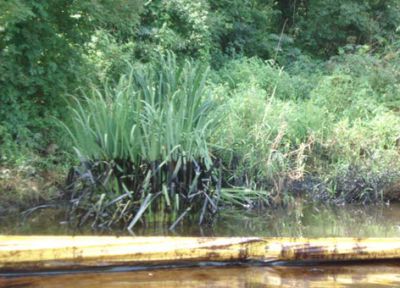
(35, 253)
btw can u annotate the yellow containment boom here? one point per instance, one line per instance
(36, 253)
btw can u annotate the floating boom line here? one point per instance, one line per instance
(37, 253)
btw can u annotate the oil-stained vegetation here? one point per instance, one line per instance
(160, 110)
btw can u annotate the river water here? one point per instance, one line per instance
(301, 220)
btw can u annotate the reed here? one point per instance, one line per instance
(143, 144)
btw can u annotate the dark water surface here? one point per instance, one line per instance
(300, 220)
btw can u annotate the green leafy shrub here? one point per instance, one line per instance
(244, 73)
(381, 73)
(40, 54)
(323, 26)
(370, 143)
(180, 26)
(215, 30)
(346, 96)
(265, 141)
(107, 56)
(244, 28)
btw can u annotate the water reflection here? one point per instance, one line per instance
(318, 276)
(299, 221)
(315, 221)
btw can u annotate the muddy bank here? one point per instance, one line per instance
(23, 188)
(352, 186)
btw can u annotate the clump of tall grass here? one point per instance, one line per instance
(265, 145)
(244, 73)
(380, 71)
(145, 144)
(314, 142)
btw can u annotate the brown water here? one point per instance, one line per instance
(300, 220)
(322, 276)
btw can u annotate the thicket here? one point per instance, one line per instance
(300, 97)
(42, 57)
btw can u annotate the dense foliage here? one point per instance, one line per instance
(41, 56)
(300, 96)
(324, 26)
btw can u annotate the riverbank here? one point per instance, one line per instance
(25, 187)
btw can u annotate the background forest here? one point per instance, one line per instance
(266, 99)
